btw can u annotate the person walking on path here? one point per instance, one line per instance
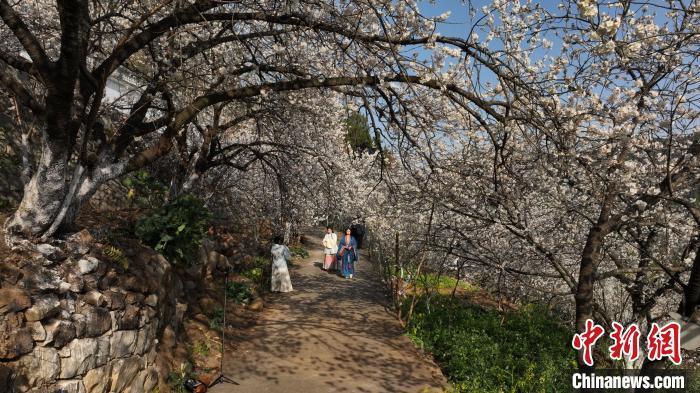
(280, 280)
(330, 248)
(347, 253)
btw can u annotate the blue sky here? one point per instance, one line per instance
(458, 24)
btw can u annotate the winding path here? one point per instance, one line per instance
(329, 335)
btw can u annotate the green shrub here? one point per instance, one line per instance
(258, 272)
(255, 275)
(487, 351)
(176, 230)
(144, 191)
(239, 292)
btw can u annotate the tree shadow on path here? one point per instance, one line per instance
(329, 335)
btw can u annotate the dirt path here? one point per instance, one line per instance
(329, 335)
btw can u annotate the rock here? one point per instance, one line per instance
(134, 298)
(123, 372)
(83, 357)
(37, 330)
(219, 260)
(81, 242)
(151, 380)
(10, 274)
(151, 300)
(15, 340)
(50, 252)
(13, 300)
(59, 332)
(40, 367)
(109, 280)
(64, 352)
(134, 283)
(103, 350)
(142, 340)
(68, 304)
(150, 312)
(77, 283)
(43, 279)
(129, 319)
(136, 385)
(64, 287)
(79, 320)
(256, 305)
(95, 298)
(115, 300)
(45, 306)
(72, 386)
(123, 343)
(97, 380)
(98, 320)
(88, 265)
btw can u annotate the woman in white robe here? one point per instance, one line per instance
(330, 248)
(280, 280)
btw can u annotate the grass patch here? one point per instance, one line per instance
(433, 280)
(483, 350)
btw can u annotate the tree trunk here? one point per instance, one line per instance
(45, 191)
(584, 292)
(692, 290)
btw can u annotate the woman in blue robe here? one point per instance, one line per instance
(347, 254)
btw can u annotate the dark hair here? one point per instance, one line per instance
(279, 239)
(329, 227)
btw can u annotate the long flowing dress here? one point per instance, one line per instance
(280, 274)
(330, 248)
(348, 257)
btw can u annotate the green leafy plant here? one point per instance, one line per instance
(201, 348)
(116, 255)
(176, 378)
(239, 292)
(258, 272)
(299, 252)
(144, 190)
(216, 319)
(255, 275)
(482, 350)
(176, 230)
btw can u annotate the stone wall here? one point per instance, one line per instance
(74, 321)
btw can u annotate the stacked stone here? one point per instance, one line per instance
(70, 319)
